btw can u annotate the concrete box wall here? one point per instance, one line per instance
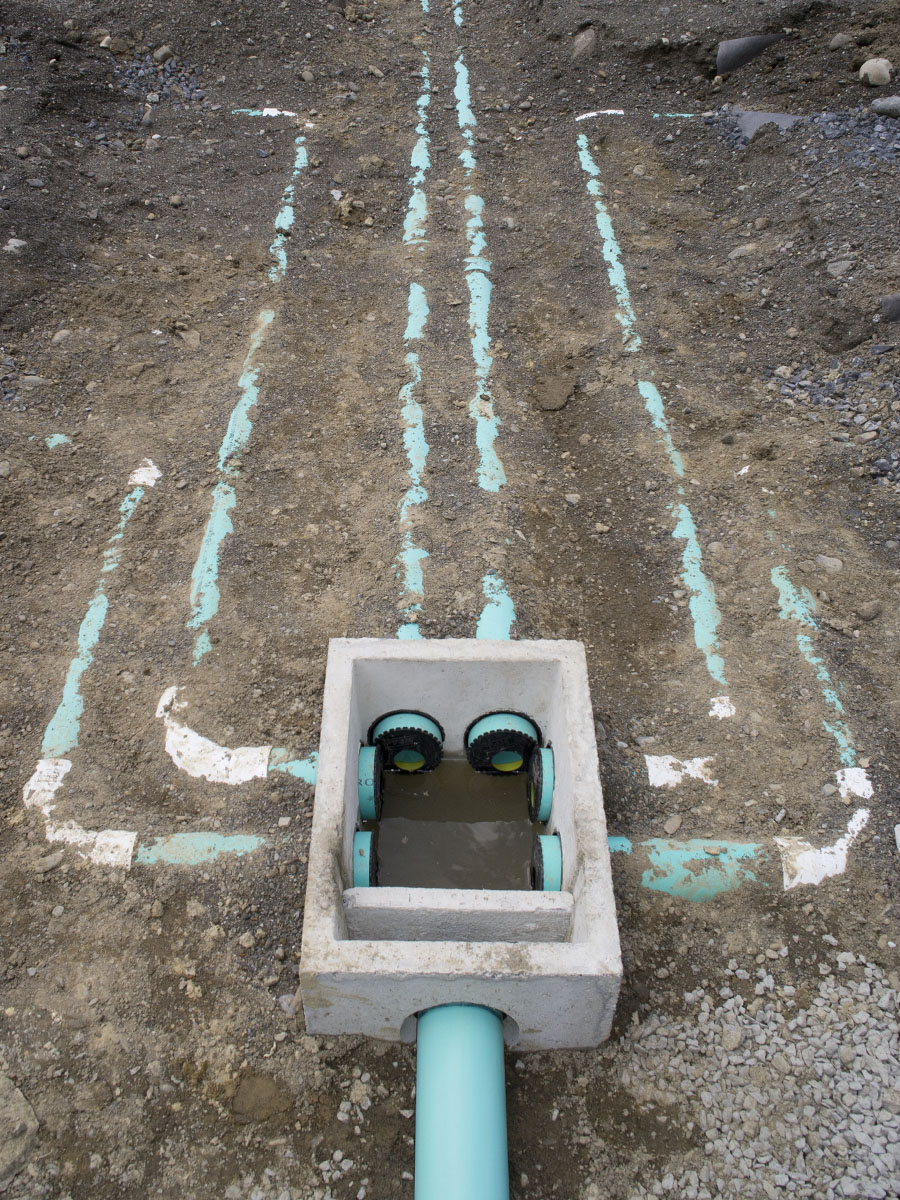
(372, 958)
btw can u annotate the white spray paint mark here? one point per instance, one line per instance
(106, 847)
(721, 707)
(803, 864)
(664, 770)
(145, 475)
(602, 112)
(853, 781)
(203, 758)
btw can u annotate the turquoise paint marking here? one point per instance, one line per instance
(193, 849)
(491, 475)
(408, 563)
(284, 222)
(704, 609)
(687, 870)
(499, 612)
(57, 439)
(301, 768)
(611, 253)
(416, 219)
(799, 606)
(205, 576)
(457, 14)
(654, 405)
(62, 732)
(239, 424)
(686, 116)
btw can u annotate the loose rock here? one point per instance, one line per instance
(876, 72)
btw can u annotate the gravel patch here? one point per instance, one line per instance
(861, 402)
(794, 1095)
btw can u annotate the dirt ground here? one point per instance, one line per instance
(147, 1015)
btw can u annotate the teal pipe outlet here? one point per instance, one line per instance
(460, 1105)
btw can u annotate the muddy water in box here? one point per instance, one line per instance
(454, 828)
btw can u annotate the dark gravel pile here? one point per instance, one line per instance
(141, 77)
(853, 138)
(862, 401)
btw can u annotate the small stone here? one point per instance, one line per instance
(840, 41)
(887, 106)
(583, 42)
(732, 1036)
(176, 201)
(780, 1063)
(840, 266)
(890, 305)
(890, 1098)
(829, 789)
(57, 910)
(18, 1131)
(49, 862)
(23, 151)
(190, 337)
(869, 436)
(283, 822)
(60, 336)
(33, 381)
(572, 498)
(17, 245)
(156, 909)
(762, 223)
(162, 54)
(828, 564)
(5, 468)
(672, 825)
(247, 940)
(743, 251)
(869, 610)
(35, 183)
(307, 76)
(876, 72)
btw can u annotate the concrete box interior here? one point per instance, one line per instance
(372, 958)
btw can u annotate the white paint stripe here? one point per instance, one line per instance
(108, 847)
(721, 707)
(804, 864)
(203, 758)
(145, 475)
(853, 781)
(664, 770)
(602, 112)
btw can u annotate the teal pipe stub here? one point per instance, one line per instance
(501, 743)
(541, 780)
(461, 1149)
(546, 863)
(410, 741)
(370, 782)
(365, 860)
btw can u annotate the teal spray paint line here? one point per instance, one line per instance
(408, 563)
(204, 595)
(697, 869)
(491, 475)
(284, 222)
(195, 849)
(63, 730)
(704, 608)
(499, 612)
(799, 606)
(611, 252)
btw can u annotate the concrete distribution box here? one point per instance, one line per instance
(373, 958)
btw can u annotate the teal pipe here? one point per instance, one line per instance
(460, 1105)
